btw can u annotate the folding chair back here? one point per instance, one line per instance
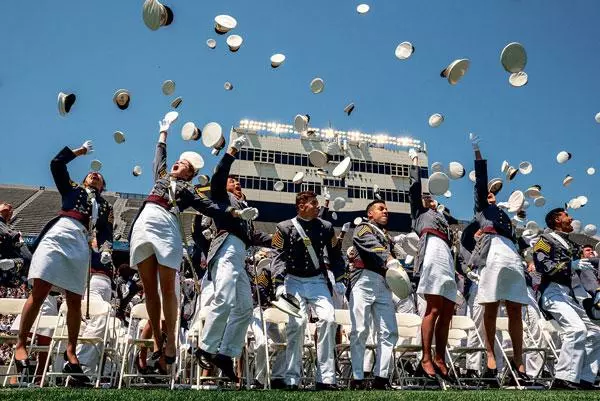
(11, 306)
(275, 316)
(342, 317)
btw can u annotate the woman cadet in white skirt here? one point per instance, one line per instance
(156, 246)
(435, 265)
(501, 275)
(62, 252)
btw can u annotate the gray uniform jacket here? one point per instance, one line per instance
(373, 250)
(11, 247)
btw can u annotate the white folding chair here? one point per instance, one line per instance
(10, 306)
(407, 349)
(342, 350)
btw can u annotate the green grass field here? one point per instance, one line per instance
(184, 395)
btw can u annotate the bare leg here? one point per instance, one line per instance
(146, 333)
(148, 270)
(73, 324)
(32, 307)
(490, 312)
(515, 329)
(170, 310)
(441, 334)
(434, 306)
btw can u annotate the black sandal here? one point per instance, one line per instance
(143, 370)
(74, 370)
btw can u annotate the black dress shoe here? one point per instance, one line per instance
(471, 374)
(357, 384)
(586, 385)
(491, 374)
(381, 383)
(74, 370)
(559, 384)
(225, 364)
(278, 384)
(204, 359)
(325, 386)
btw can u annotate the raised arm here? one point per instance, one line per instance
(336, 261)
(58, 165)
(415, 190)
(481, 176)
(218, 183)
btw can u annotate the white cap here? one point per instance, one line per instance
(171, 116)
(338, 203)
(317, 85)
(317, 158)
(539, 201)
(343, 168)
(189, 132)
(168, 87)
(515, 201)
(436, 167)
(435, 120)
(234, 42)
(156, 14)
(597, 118)
(456, 170)
(357, 220)
(211, 43)
(505, 166)
(362, 8)
(398, 281)
(518, 79)
(228, 86)
(176, 102)
(119, 137)
(525, 168)
(277, 60)
(404, 50)
(563, 156)
(194, 158)
(334, 216)
(121, 98)
(349, 108)
(96, 165)
(279, 186)
(438, 183)
(447, 194)
(576, 224)
(590, 230)
(65, 102)
(137, 171)
(567, 181)
(591, 171)
(203, 179)
(212, 136)
(298, 178)
(456, 70)
(513, 57)
(533, 191)
(533, 226)
(224, 23)
(495, 185)
(583, 200)
(511, 173)
(525, 205)
(301, 123)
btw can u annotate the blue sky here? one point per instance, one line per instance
(95, 48)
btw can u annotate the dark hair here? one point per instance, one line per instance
(234, 177)
(587, 246)
(101, 175)
(553, 214)
(373, 203)
(304, 196)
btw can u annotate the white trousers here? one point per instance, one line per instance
(311, 291)
(100, 290)
(580, 351)
(274, 334)
(534, 362)
(371, 301)
(230, 310)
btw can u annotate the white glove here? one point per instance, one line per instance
(105, 257)
(346, 227)
(502, 205)
(412, 153)
(473, 276)
(185, 253)
(326, 193)
(88, 146)
(207, 233)
(582, 264)
(398, 239)
(279, 291)
(239, 142)
(7, 264)
(164, 125)
(339, 288)
(249, 213)
(474, 141)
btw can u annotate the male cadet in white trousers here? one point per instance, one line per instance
(577, 364)
(371, 299)
(230, 310)
(300, 272)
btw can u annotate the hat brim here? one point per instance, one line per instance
(284, 306)
(398, 282)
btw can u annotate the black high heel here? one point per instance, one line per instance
(420, 372)
(74, 370)
(446, 377)
(23, 366)
(143, 370)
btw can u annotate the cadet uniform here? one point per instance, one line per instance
(580, 351)
(231, 307)
(15, 256)
(61, 251)
(502, 278)
(371, 300)
(294, 268)
(434, 262)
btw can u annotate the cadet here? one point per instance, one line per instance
(14, 254)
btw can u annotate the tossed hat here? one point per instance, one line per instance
(597, 118)
(518, 79)
(317, 158)
(65, 102)
(525, 168)
(533, 226)
(338, 203)
(176, 102)
(515, 201)
(456, 170)
(234, 42)
(122, 98)
(591, 171)
(513, 57)
(505, 166)
(228, 86)
(397, 280)
(533, 191)
(342, 168)
(287, 303)
(525, 205)
(212, 136)
(582, 199)
(317, 85)
(574, 203)
(156, 14)
(278, 186)
(435, 120)
(301, 123)
(511, 173)
(189, 132)
(119, 137)
(576, 224)
(168, 87)
(203, 179)
(211, 43)
(410, 243)
(436, 167)
(224, 23)
(495, 185)
(404, 50)
(447, 194)
(590, 230)
(137, 171)
(357, 220)
(349, 109)
(563, 157)
(334, 216)
(96, 165)
(321, 172)
(363, 8)
(277, 60)
(567, 180)
(539, 201)
(472, 175)
(195, 160)
(438, 183)
(455, 71)
(171, 116)
(298, 178)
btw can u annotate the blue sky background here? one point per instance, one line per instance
(95, 48)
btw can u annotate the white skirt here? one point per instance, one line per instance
(62, 256)
(156, 232)
(503, 277)
(437, 272)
